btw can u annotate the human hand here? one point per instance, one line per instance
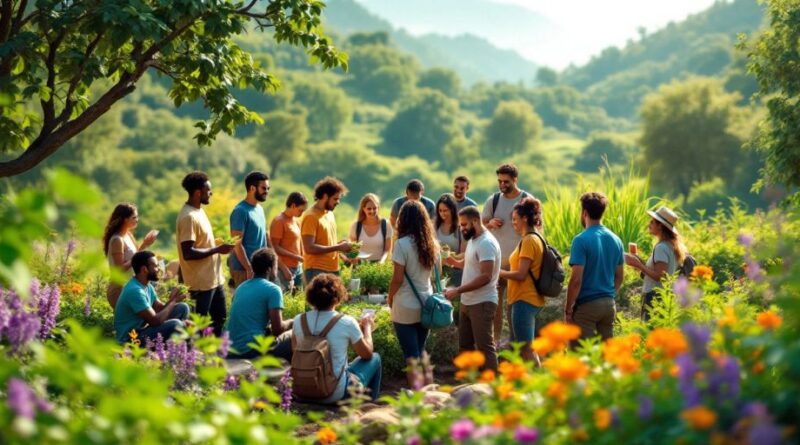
(568, 316)
(224, 249)
(177, 295)
(248, 271)
(150, 238)
(367, 323)
(345, 246)
(451, 293)
(633, 261)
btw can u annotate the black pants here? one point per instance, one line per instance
(212, 302)
(647, 303)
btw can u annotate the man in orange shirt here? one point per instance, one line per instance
(318, 230)
(284, 236)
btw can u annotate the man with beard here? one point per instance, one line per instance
(460, 189)
(478, 287)
(198, 253)
(597, 261)
(250, 226)
(318, 230)
(138, 308)
(414, 192)
(497, 218)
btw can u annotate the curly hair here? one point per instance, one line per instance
(529, 209)
(328, 186)
(194, 181)
(121, 212)
(413, 221)
(450, 202)
(325, 291)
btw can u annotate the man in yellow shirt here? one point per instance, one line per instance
(318, 229)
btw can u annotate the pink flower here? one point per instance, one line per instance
(462, 430)
(526, 435)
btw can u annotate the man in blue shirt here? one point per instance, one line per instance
(460, 189)
(138, 309)
(597, 260)
(414, 191)
(256, 304)
(250, 225)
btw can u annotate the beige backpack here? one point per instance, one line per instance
(312, 368)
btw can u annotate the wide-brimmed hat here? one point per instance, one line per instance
(667, 217)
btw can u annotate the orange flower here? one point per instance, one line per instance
(461, 375)
(656, 374)
(702, 273)
(134, 337)
(602, 419)
(628, 365)
(619, 351)
(670, 342)
(543, 345)
(557, 391)
(508, 421)
(567, 368)
(469, 360)
(505, 391)
(699, 417)
(580, 436)
(674, 370)
(561, 333)
(326, 436)
(769, 320)
(513, 371)
(729, 319)
(487, 376)
(758, 368)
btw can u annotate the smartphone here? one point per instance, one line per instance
(368, 313)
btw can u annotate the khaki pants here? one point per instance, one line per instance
(596, 317)
(475, 331)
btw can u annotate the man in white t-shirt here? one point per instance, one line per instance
(478, 290)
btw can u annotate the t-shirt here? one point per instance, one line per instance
(599, 251)
(250, 308)
(430, 206)
(453, 240)
(322, 226)
(406, 307)
(372, 244)
(532, 249)
(480, 249)
(193, 225)
(506, 235)
(285, 232)
(135, 298)
(466, 203)
(662, 253)
(344, 333)
(248, 219)
(123, 245)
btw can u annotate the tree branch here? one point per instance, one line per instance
(6, 13)
(248, 7)
(73, 83)
(18, 21)
(48, 107)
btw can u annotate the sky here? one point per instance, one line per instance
(588, 26)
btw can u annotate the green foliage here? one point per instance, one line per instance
(381, 74)
(375, 277)
(441, 79)
(546, 76)
(282, 138)
(328, 109)
(514, 128)
(707, 196)
(604, 148)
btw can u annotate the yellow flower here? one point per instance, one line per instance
(513, 371)
(543, 345)
(729, 319)
(134, 337)
(505, 391)
(670, 342)
(602, 419)
(567, 368)
(487, 376)
(580, 435)
(260, 404)
(769, 320)
(326, 436)
(560, 333)
(469, 360)
(702, 273)
(699, 417)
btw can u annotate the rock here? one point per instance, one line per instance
(472, 390)
(375, 424)
(240, 367)
(436, 399)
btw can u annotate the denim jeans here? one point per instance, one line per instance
(297, 278)
(170, 326)
(309, 274)
(412, 338)
(647, 303)
(368, 373)
(523, 321)
(212, 302)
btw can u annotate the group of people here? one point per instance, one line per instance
(492, 258)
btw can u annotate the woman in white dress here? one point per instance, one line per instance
(374, 232)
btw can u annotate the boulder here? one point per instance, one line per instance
(375, 424)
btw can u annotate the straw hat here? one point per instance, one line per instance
(665, 216)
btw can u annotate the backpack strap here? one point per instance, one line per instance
(359, 226)
(544, 248)
(413, 288)
(330, 324)
(383, 232)
(304, 324)
(459, 236)
(495, 201)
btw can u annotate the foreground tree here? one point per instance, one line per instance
(53, 52)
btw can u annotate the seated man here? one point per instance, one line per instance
(257, 302)
(138, 309)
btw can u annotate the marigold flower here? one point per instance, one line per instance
(567, 368)
(326, 436)
(670, 342)
(580, 435)
(557, 391)
(769, 320)
(702, 273)
(487, 376)
(628, 365)
(461, 375)
(729, 319)
(699, 417)
(543, 345)
(469, 360)
(619, 351)
(561, 333)
(509, 420)
(602, 418)
(134, 337)
(656, 374)
(505, 391)
(758, 368)
(513, 371)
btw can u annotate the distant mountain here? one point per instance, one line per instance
(474, 58)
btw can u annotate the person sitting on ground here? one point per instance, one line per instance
(324, 294)
(414, 192)
(374, 232)
(284, 236)
(139, 309)
(256, 303)
(119, 244)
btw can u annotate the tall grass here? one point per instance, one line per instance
(628, 202)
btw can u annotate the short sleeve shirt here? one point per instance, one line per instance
(372, 244)
(135, 298)
(600, 252)
(322, 226)
(406, 308)
(480, 249)
(506, 236)
(250, 220)
(430, 206)
(453, 240)
(531, 248)
(466, 203)
(662, 253)
(250, 308)
(285, 232)
(204, 274)
(344, 333)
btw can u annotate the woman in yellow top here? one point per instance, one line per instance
(525, 261)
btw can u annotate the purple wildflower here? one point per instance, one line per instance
(746, 239)
(724, 381)
(464, 399)
(70, 247)
(687, 369)
(755, 409)
(413, 440)
(462, 430)
(765, 433)
(22, 328)
(87, 306)
(5, 314)
(646, 407)
(754, 271)
(231, 383)
(252, 375)
(526, 435)
(49, 308)
(698, 337)
(224, 345)
(182, 359)
(208, 332)
(286, 391)
(21, 399)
